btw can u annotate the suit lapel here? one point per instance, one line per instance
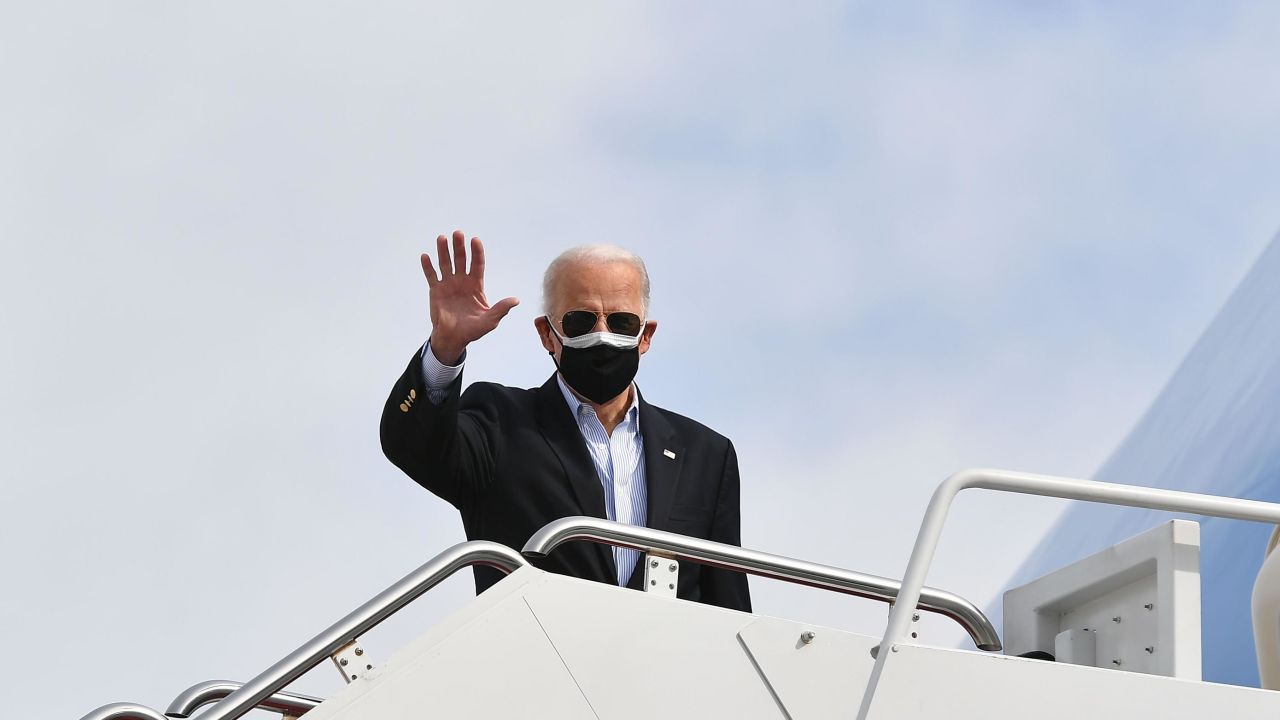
(663, 458)
(561, 432)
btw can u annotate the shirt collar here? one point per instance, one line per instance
(576, 405)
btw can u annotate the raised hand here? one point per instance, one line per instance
(460, 314)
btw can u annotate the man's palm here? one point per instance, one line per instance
(460, 314)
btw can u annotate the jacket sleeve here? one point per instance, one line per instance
(448, 448)
(727, 588)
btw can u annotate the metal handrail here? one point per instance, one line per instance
(384, 605)
(1045, 486)
(211, 691)
(124, 711)
(368, 615)
(754, 562)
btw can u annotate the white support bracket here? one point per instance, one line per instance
(661, 575)
(351, 661)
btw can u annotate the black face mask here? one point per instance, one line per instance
(599, 373)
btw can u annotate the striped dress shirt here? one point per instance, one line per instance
(618, 457)
(619, 461)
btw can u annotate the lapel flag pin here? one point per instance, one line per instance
(669, 454)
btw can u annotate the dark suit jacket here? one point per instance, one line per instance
(512, 460)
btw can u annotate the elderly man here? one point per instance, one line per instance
(585, 443)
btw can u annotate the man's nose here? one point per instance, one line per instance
(601, 324)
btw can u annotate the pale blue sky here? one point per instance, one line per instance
(885, 245)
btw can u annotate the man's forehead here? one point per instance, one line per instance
(600, 277)
(586, 281)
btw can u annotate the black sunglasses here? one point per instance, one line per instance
(581, 322)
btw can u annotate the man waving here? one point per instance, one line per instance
(585, 443)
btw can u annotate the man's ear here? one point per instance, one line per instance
(646, 335)
(544, 333)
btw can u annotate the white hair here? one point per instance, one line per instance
(592, 254)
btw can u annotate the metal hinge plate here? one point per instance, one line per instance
(661, 575)
(351, 661)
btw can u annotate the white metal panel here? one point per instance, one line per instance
(924, 682)
(821, 678)
(1139, 598)
(620, 644)
(491, 661)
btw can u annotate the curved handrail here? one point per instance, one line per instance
(211, 691)
(368, 615)
(124, 711)
(1045, 486)
(754, 562)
